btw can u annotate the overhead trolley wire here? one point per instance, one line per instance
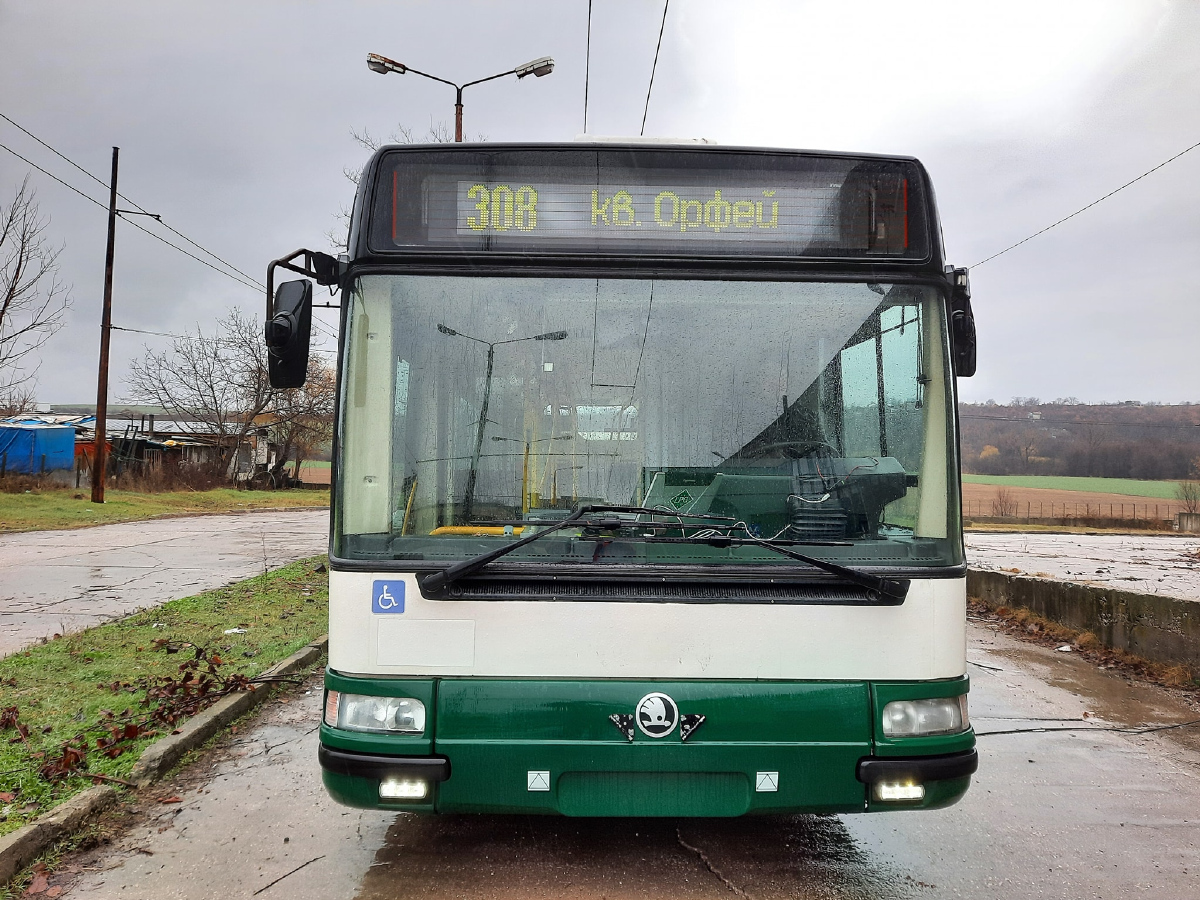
(1084, 208)
(254, 283)
(654, 67)
(587, 66)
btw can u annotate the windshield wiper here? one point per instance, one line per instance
(439, 580)
(892, 588)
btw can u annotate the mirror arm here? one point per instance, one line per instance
(321, 267)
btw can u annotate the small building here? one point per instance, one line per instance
(32, 447)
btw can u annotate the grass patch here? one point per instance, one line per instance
(1131, 487)
(982, 526)
(75, 689)
(54, 508)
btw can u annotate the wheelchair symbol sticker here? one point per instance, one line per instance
(387, 597)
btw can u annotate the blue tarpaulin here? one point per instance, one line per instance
(33, 447)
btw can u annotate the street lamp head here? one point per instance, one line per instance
(444, 330)
(383, 65)
(537, 68)
(551, 336)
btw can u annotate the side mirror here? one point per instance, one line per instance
(287, 334)
(962, 324)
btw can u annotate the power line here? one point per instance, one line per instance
(587, 66)
(653, 68)
(71, 187)
(126, 199)
(184, 337)
(324, 329)
(55, 177)
(1089, 206)
(254, 287)
(134, 224)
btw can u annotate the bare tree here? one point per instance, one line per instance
(437, 133)
(304, 415)
(219, 381)
(1188, 494)
(33, 300)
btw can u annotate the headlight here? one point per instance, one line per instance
(913, 718)
(357, 712)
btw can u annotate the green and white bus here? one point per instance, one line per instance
(645, 490)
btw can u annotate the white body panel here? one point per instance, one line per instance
(924, 638)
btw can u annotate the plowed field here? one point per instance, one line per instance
(1041, 503)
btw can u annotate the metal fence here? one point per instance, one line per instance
(1163, 511)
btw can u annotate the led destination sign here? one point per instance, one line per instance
(780, 205)
(612, 211)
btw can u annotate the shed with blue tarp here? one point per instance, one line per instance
(31, 448)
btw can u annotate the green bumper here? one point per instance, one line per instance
(575, 748)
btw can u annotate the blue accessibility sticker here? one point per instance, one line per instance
(387, 597)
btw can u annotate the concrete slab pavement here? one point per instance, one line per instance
(1144, 564)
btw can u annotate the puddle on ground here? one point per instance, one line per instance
(526, 857)
(1109, 695)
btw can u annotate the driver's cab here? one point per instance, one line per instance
(832, 465)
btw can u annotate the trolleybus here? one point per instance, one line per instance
(645, 488)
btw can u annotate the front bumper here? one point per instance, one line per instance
(553, 747)
(378, 767)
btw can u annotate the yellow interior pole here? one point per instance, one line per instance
(412, 492)
(525, 481)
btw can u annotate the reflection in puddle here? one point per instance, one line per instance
(500, 857)
(1110, 696)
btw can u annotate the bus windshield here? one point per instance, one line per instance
(814, 414)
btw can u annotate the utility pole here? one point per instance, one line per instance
(98, 453)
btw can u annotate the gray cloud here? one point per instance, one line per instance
(234, 122)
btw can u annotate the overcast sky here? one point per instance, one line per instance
(234, 121)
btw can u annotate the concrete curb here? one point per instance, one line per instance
(23, 846)
(1152, 626)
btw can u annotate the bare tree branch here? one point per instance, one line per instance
(221, 381)
(437, 133)
(33, 300)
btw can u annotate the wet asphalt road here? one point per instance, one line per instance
(60, 581)
(1083, 813)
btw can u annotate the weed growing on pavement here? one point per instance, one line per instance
(1028, 625)
(88, 688)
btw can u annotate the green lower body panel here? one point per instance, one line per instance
(632, 748)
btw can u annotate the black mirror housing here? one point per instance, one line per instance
(288, 334)
(962, 324)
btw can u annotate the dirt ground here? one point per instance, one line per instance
(1041, 503)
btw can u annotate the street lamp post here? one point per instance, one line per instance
(538, 67)
(469, 493)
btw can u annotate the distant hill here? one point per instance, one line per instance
(1110, 440)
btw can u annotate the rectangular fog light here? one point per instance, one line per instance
(899, 790)
(403, 789)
